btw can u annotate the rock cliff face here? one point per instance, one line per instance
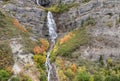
(106, 15)
(28, 14)
(101, 19)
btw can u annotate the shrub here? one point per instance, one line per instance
(98, 78)
(15, 79)
(69, 73)
(85, 1)
(88, 21)
(1, 14)
(24, 77)
(83, 76)
(17, 24)
(6, 58)
(4, 75)
(40, 60)
(43, 77)
(112, 78)
(101, 60)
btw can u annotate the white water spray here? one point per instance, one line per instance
(52, 35)
(37, 2)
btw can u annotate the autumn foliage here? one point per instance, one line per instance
(63, 63)
(16, 23)
(66, 38)
(74, 68)
(44, 46)
(37, 49)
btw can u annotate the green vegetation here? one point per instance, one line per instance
(88, 21)
(84, 72)
(8, 29)
(15, 79)
(28, 44)
(98, 78)
(73, 40)
(85, 1)
(43, 77)
(40, 60)
(11, 28)
(59, 8)
(6, 59)
(83, 76)
(118, 20)
(109, 23)
(20, 77)
(79, 37)
(4, 75)
(88, 72)
(112, 78)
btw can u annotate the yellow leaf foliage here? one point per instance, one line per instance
(41, 49)
(39, 59)
(74, 68)
(44, 44)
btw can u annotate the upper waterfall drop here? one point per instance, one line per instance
(51, 27)
(37, 2)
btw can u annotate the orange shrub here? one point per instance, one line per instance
(44, 44)
(37, 50)
(74, 68)
(16, 23)
(66, 38)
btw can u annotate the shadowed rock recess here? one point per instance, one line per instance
(81, 43)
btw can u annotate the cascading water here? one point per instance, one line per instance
(52, 36)
(37, 2)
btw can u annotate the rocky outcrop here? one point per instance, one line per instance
(72, 19)
(42, 2)
(23, 61)
(28, 14)
(104, 35)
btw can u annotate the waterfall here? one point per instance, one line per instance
(37, 2)
(51, 27)
(52, 36)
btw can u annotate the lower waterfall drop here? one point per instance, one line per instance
(52, 36)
